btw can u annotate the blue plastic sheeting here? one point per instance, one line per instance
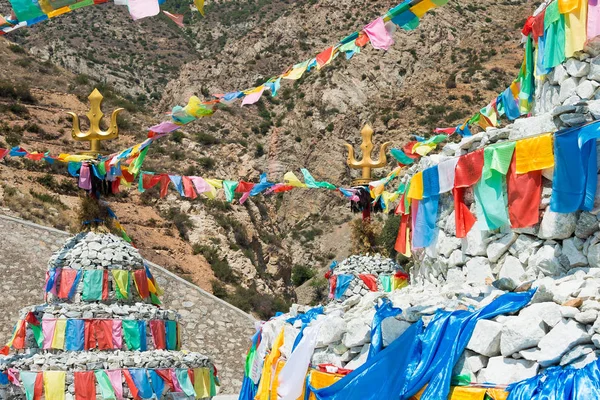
(558, 383)
(249, 389)
(420, 356)
(343, 282)
(383, 311)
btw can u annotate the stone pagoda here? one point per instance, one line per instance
(101, 333)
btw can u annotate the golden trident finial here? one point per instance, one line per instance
(366, 164)
(95, 134)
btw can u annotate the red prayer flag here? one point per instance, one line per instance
(462, 215)
(528, 26)
(524, 196)
(35, 157)
(67, 278)
(401, 240)
(103, 330)
(32, 319)
(131, 384)
(370, 281)
(362, 39)
(324, 57)
(157, 327)
(447, 131)
(177, 18)
(149, 181)
(537, 28)
(188, 188)
(89, 335)
(126, 175)
(115, 185)
(19, 341)
(332, 286)
(408, 150)
(85, 385)
(244, 187)
(164, 185)
(141, 282)
(165, 374)
(105, 285)
(282, 188)
(468, 169)
(39, 386)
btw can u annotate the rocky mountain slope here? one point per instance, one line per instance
(461, 56)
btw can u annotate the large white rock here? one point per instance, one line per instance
(564, 336)
(455, 277)
(568, 88)
(512, 268)
(331, 331)
(549, 312)
(475, 244)
(545, 261)
(524, 247)
(594, 69)
(497, 248)
(447, 244)
(577, 68)
(524, 127)
(587, 224)
(360, 359)
(566, 290)
(486, 338)
(557, 226)
(456, 259)
(558, 75)
(586, 88)
(357, 334)
(478, 270)
(590, 289)
(392, 329)
(572, 250)
(504, 371)
(593, 255)
(520, 333)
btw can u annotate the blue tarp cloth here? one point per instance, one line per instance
(420, 356)
(383, 311)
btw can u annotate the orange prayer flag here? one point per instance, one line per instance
(177, 18)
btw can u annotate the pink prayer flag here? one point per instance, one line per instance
(253, 97)
(117, 333)
(379, 36)
(200, 184)
(117, 383)
(177, 18)
(244, 197)
(48, 326)
(13, 376)
(175, 381)
(143, 8)
(85, 180)
(593, 22)
(165, 127)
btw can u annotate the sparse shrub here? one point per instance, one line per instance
(260, 150)
(206, 139)
(301, 274)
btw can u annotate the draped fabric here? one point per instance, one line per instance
(54, 385)
(576, 27)
(490, 191)
(574, 183)
(157, 327)
(106, 389)
(93, 280)
(133, 389)
(379, 36)
(132, 334)
(184, 382)
(141, 283)
(593, 22)
(382, 311)
(386, 282)
(424, 227)
(68, 278)
(415, 191)
(85, 385)
(524, 196)
(58, 340)
(121, 280)
(48, 326)
(534, 153)
(202, 384)
(116, 381)
(446, 175)
(343, 282)
(158, 384)
(32, 384)
(140, 380)
(117, 333)
(402, 244)
(420, 356)
(554, 43)
(74, 340)
(370, 281)
(171, 333)
(103, 329)
(165, 375)
(468, 171)
(268, 368)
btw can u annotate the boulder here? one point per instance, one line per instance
(593, 255)
(558, 75)
(572, 249)
(332, 331)
(456, 259)
(576, 353)
(586, 88)
(475, 244)
(563, 337)
(557, 226)
(546, 262)
(504, 371)
(497, 248)
(357, 334)
(524, 127)
(392, 329)
(360, 359)
(594, 69)
(587, 317)
(478, 270)
(512, 268)
(577, 68)
(568, 88)
(485, 339)
(549, 312)
(447, 244)
(520, 333)
(524, 247)
(455, 276)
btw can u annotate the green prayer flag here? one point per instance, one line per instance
(155, 300)
(81, 4)
(490, 192)
(229, 188)
(101, 169)
(386, 282)
(92, 284)
(311, 183)
(137, 163)
(131, 334)
(26, 10)
(171, 333)
(213, 383)
(28, 379)
(121, 278)
(106, 390)
(554, 43)
(38, 335)
(412, 24)
(184, 381)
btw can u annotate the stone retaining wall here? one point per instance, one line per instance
(210, 326)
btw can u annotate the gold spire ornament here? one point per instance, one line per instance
(367, 163)
(95, 134)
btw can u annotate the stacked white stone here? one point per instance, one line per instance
(84, 252)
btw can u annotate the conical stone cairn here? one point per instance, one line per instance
(101, 333)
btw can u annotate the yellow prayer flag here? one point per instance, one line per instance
(60, 11)
(534, 153)
(497, 394)
(296, 72)
(54, 385)
(264, 387)
(388, 197)
(58, 340)
(466, 393)
(416, 186)
(291, 179)
(202, 382)
(565, 6)
(200, 6)
(74, 157)
(575, 27)
(320, 380)
(121, 279)
(275, 384)
(421, 8)
(423, 149)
